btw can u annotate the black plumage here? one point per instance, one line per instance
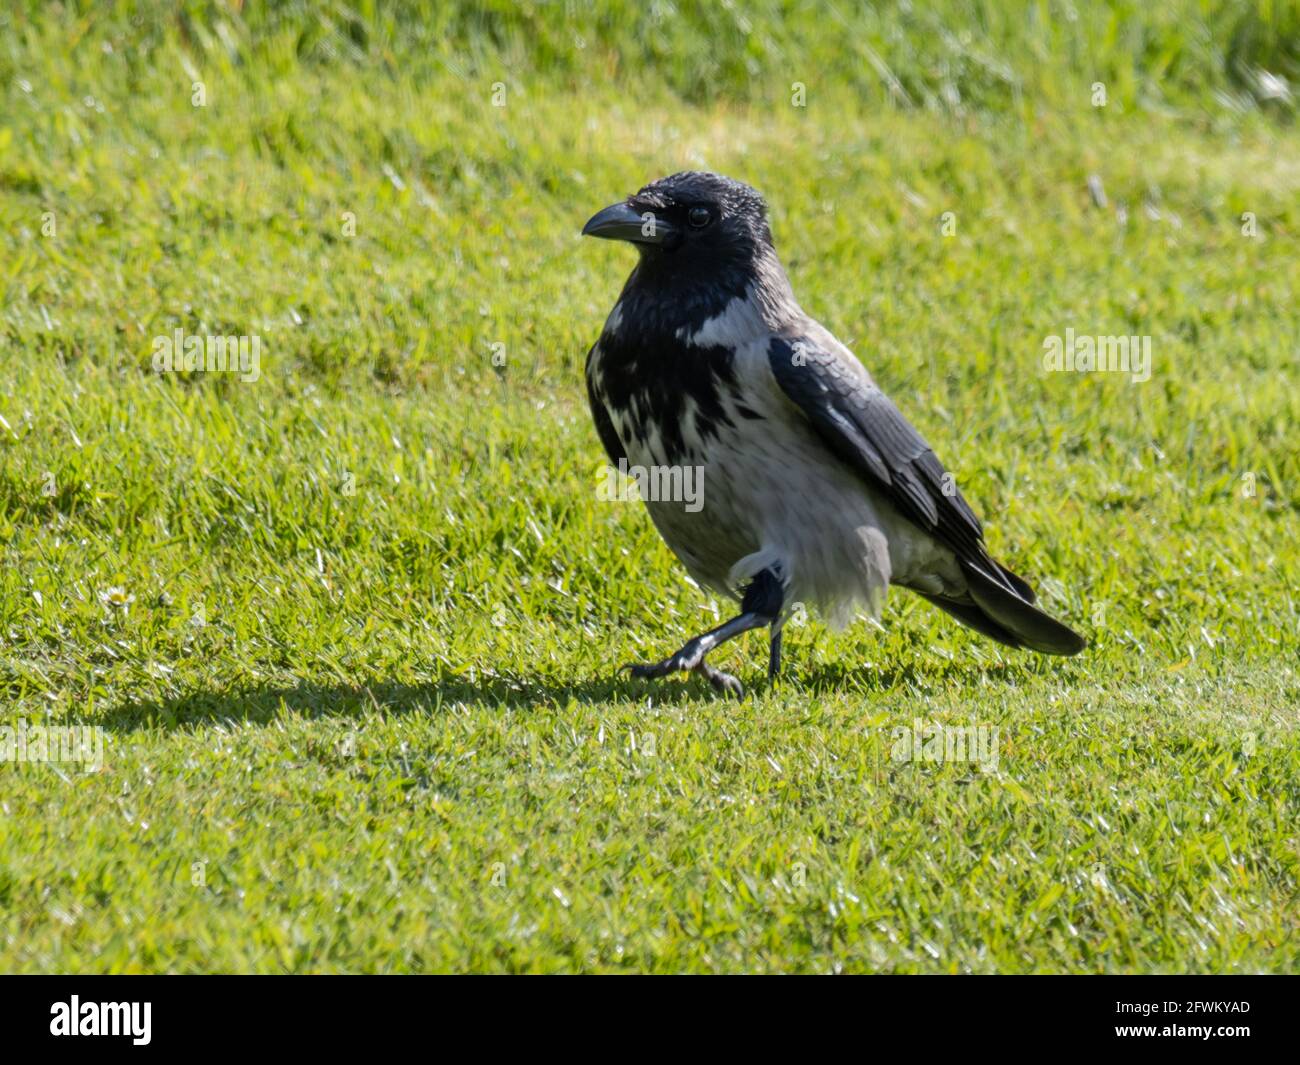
(817, 487)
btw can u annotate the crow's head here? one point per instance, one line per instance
(690, 220)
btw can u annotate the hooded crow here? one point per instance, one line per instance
(815, 488)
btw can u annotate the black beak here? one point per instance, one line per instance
(622, 221)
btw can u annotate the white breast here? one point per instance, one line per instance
(774, 496)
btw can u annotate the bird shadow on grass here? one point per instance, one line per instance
(262, 704)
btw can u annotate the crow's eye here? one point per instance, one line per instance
(699, 217)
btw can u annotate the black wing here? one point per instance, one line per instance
(604, 426)
(862, 426)
(864, 429)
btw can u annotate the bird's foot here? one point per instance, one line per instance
(686, 662)
(722, 682)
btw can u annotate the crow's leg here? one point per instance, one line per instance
(691, 656)
(774, 654)
(760, 606)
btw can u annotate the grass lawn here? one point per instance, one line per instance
(353, 629)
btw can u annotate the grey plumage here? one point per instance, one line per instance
(815, 485)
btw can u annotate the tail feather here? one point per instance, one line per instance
(1018, 584)
(969, 614)
(996, 591)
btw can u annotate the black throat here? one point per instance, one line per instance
(648, 371)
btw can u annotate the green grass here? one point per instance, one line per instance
(396, 737)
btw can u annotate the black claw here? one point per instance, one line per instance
(722, 682)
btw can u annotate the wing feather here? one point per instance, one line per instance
(858, 422)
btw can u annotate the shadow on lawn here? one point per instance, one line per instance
(312, 699)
